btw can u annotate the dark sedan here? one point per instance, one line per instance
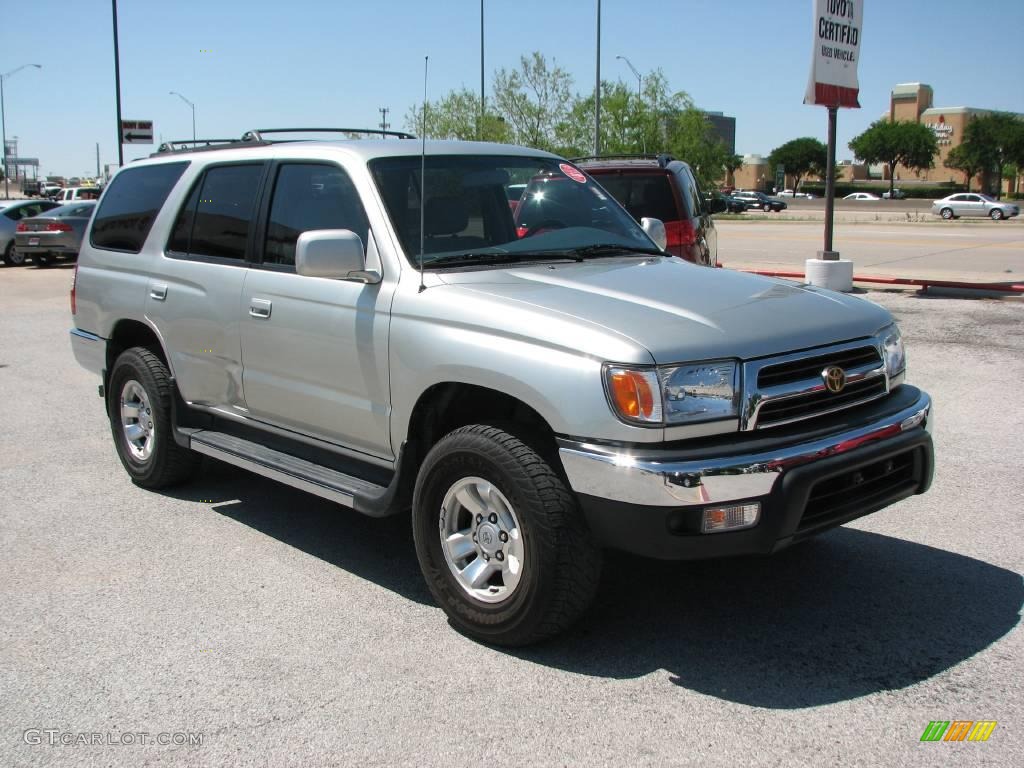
(760, 200)
(54, 234)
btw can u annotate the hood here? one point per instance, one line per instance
(679, 311)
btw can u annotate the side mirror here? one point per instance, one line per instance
(717, 205)
(333, 253)
(655, 229)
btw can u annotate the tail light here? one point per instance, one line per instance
(22, 227)
(679, 233)
(74, 283)
(58, 226)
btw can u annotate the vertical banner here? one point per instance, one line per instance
(837, 26)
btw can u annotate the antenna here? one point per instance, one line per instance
(423, 172)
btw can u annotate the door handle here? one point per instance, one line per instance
(158, 291)
(260, 308)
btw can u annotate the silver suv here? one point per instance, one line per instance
(535, 379)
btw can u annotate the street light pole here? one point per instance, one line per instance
(597, 88)
(175, 93)
(639, 77)
(3, 121)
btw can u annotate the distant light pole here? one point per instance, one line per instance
(597, 87)
(3, 121)
(175, 93)
(483, 102)
(639, 77)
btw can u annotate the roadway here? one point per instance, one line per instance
(289, 631)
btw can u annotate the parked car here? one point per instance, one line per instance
(896, 194)
(861, 196)
(11, 212)
(760, 200)
(974, 204)
(30, 187)
(791, 193)
(54, 234)
(50, 189)
(70, 194)
(732, 204)
(663, 188)
(530, 397)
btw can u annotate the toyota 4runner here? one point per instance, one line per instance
(328, 315)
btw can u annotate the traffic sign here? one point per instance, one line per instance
(136, 131)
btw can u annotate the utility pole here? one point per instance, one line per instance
(117, 87)
(384, 124)
(597, 87)
(483, 103)
(97, 160)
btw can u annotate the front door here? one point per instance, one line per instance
(315, 350)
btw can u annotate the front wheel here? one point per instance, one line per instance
(946, 213)
(766, 207)
(995, 214)
(139, 407)
(501, 539)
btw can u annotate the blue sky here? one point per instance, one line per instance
(335, 62)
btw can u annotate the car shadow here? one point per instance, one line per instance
(844, 615)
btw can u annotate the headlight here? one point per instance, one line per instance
(892, 350)
(678, 394)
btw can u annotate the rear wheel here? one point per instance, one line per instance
(995, 214)
(501, 539)
(13, 257)
(946, 213)
(139, 407)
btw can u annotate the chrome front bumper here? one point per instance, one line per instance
(656, 479)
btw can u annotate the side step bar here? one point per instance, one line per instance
(366, 497)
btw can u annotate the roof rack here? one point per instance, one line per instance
(257, 133)
(663, 159)
(256, 138)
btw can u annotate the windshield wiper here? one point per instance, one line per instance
(492, 257)
(599, 250)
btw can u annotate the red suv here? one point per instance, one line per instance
(663, 188)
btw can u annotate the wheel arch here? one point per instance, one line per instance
(133, 333)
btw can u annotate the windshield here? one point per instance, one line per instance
(493, 204)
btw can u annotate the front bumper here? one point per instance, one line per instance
(652, 502)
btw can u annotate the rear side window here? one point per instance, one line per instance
(308, 196)
(133, 200)
(690, 191)
(642, 195)
(218, 216)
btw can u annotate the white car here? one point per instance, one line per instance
(973, 204)
(861, 196)
(791, 193)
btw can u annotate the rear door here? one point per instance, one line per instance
(316, 349)
(703, 224)
(194, 299)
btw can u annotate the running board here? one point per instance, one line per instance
(291, 470)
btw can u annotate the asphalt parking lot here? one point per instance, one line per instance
(288, 631)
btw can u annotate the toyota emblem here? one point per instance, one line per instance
(834, 378)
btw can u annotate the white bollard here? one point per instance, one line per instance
(835, 275)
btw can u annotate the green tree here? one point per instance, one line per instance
(457, 116)
(534, 99)
(967, 159)
(800, 157)
(998, 139)
(911, 145)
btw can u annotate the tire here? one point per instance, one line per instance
(946, 213)
(140, 383)
(766, 207)
(513, 508)
(995, 214)
(12, 258)
(43, 260)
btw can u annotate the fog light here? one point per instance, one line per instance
(718, 519)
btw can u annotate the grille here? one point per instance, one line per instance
(811, 367)
(776, 412)
(841, 497)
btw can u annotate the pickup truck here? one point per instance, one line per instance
(367, 322)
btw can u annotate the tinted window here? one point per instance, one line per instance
(642, 195)
(690, 192)
(132, 202)
(307, 197)
(217, 217)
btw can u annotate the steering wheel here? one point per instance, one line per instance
(545, 225)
